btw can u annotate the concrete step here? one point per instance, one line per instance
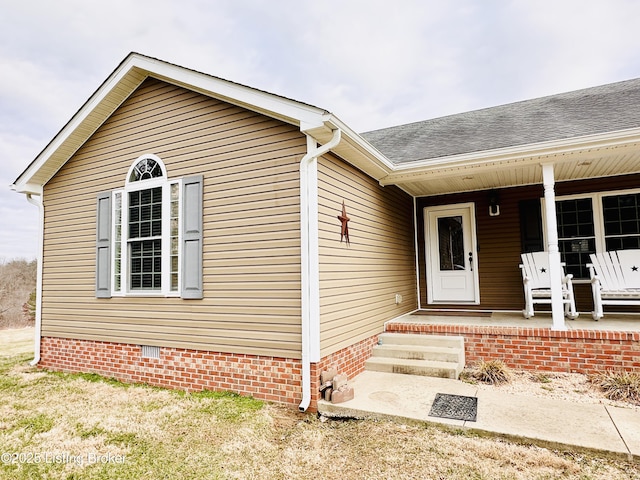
(428, 368)
(427, 355)
(425, 340)
(419, 352)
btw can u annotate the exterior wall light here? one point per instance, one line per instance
(494, 200)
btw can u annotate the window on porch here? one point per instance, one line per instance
(576, 234)
(595, 223)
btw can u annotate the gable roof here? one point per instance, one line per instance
(135, 68)
(579, 113)
(588, 133)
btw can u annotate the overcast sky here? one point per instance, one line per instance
(372, 63)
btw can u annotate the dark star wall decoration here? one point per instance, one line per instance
(344, 220)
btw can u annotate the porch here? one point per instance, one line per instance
(612, 322)
(586, 346)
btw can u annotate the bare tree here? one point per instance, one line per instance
(17, 282)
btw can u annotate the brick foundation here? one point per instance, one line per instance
(579, 351)
(266, 378)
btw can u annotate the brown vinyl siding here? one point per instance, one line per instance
(251, 257)
(499, 241)
(358, 282)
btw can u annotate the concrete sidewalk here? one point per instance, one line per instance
(542, 421)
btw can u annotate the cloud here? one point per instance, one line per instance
(373, 63)
(535, 50)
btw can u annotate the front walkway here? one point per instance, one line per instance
(542, 421)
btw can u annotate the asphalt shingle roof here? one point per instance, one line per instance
(606, 108)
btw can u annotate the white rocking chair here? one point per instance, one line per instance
(615, 279)
(537, 284)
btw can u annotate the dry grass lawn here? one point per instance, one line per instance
(59, 426)
(15, 341)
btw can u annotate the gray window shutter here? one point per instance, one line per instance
(192, 237)
(103, 246)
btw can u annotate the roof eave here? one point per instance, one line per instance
(27, 188)
(353, 148)
(551, 151)
(104, 101)
(125, 79)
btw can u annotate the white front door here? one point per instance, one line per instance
(452, 266)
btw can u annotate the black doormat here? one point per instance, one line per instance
(452, 313)
(455, 407)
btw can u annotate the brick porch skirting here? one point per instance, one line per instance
(578, 351)
(349, 360)
(267, 378)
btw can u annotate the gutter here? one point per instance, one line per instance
(489, 160)
(310, 270)
(38, 325)
(620, 138)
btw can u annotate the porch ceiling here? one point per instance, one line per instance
(487, 170)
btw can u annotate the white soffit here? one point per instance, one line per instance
(601, 155)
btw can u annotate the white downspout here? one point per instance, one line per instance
(310, 270)
(38, 325)
(555, 268)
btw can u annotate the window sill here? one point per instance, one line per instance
(146, 295)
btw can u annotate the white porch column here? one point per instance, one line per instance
(555, 269)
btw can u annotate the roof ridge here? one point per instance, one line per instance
(223, 79)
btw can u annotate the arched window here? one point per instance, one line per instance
(144, 231)
(145, 168)
(141, 226)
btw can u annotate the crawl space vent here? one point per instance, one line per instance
(150, 352)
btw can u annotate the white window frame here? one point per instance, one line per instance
(598, 215)
(125, 273)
